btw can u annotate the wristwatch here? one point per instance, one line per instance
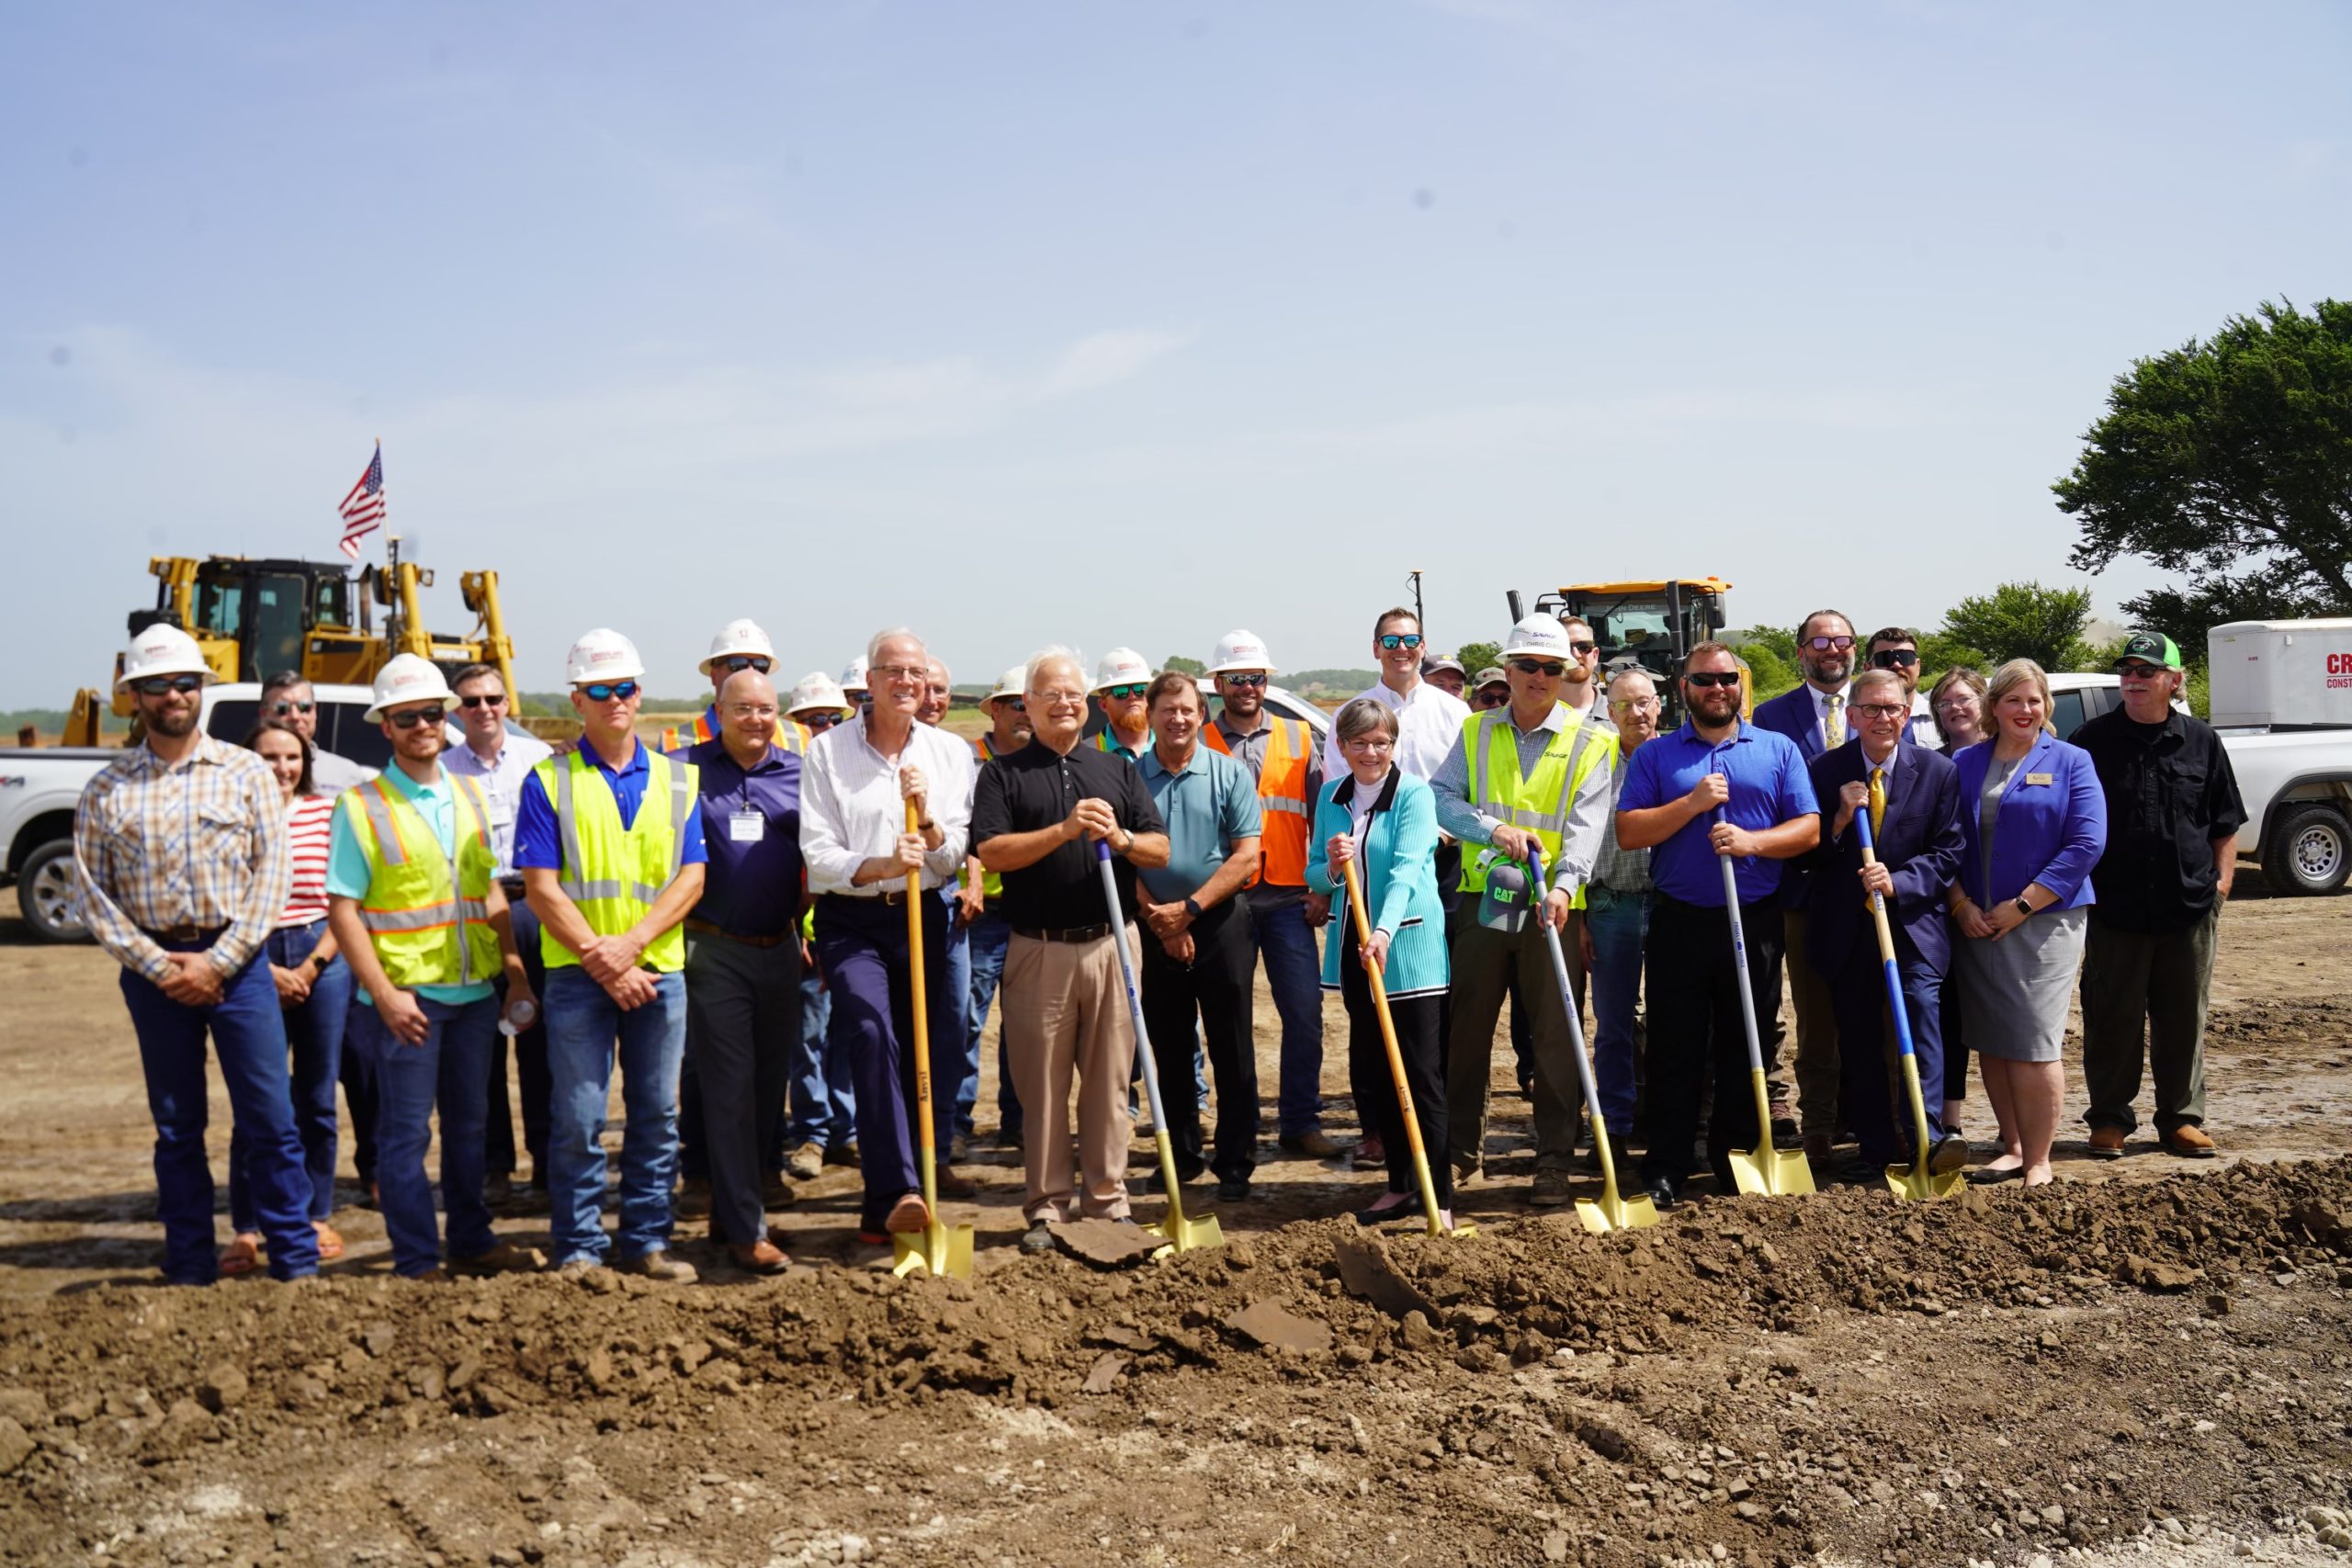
(319, 964)
(1193, 908)
(2023, 908)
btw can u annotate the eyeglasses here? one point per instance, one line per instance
(764, 712)
(1127, 693)
(409, 718)
(735, 663)
(817, 723)
(1881, 710)
(1539, 666)
(1894, 658)
(1704, 678)
(156, 685)
(605, 691)
(1061, 700)
(1400, 639)
(1824, 644)
(1965, 703)
(282, 709)
(899, 671)
(497, 702)
(1581, 648)
(1245, 678)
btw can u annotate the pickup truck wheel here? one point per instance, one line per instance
(45, 893)
(2310, 850)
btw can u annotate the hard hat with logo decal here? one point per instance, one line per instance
(1538, 637)
(602, 655)
(853, 678)
(739, 637)
(162, 650)
(1121, 667)
(1240, 650)
(816, 693)
(406, 678)
(1008, 684)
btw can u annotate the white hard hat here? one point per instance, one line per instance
(1241, 650)
(854, 675)
(406, 678)
(602, 655)
(1010, 684)
(739, 637)
(1538, 634)
(814, 691)
(163, 650)
(1120, 667)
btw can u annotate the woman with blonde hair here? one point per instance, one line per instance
(2035, 819)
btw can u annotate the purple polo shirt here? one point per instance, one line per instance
(751, 825)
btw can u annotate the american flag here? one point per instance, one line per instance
(363, 509)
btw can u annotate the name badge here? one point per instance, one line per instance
(747, 827)
(2039, 778)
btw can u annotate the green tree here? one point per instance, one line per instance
(1477, 656)
(2023, 620)
(1940, 650)
(1178, 662)
(2228, 464)
(1772, 656)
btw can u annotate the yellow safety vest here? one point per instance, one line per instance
(992, 884)
(1539, 803)
(791, 734)
(427, 912)
(612, 874)
(1282, 806)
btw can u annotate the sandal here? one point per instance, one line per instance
(241, 1256)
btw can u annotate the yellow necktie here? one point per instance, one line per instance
(1833, 724)
(1878, 802)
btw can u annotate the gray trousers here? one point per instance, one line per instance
(2143, 999)
(742, 1017)
(1485, 962)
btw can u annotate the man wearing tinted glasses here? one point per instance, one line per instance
(738, 646)
(1121, 680)
(289, 700)
(1582, 689)
(1429, 720)
(1897, 651)
(1813, 716)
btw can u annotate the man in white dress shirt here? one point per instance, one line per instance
(1429, 720)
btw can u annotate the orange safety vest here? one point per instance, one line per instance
(1282, 799)
(790, 733)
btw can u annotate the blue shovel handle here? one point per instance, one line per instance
(1885, 940)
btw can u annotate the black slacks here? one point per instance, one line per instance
(1420, 1041)
(1695, 1029)
(1217, 987)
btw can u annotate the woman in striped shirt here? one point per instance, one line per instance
(313, 987)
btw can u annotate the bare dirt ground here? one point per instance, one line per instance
(2148, 1362)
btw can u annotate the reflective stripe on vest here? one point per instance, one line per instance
(611, 903)
(1520, 801)
(449, 892)
(1284, 814)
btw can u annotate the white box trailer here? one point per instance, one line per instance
(2281, 675)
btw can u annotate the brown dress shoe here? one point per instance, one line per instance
(763, 1257)
(908, 1215)
(2106, 1143)
(2189, 1141)
(952, 1185)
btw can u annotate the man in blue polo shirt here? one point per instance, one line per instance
(1716, 787)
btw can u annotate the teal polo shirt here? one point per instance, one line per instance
(1207, 804)
(349, 877)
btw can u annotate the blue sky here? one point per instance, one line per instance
(1115, 323)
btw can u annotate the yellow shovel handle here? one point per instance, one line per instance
(1388, 1038)
(924, 1140)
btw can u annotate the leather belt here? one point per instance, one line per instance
(1067, 933)
(703, 928)
(895, 897)
(511, 885)
(184, 933)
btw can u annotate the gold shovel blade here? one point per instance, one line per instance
(942, 1251)
(1610, 1212)
(1771, 1173)
(1186, 1235)
(1915, 1184)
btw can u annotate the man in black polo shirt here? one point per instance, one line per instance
(1037, 817)
(2173, 815)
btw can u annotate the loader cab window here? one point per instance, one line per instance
(219, 608)
(274, 611)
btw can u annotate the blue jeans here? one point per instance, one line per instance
(530, 1065)
(1295, 975)
(314, 1033)
(985, 941)
(1618, 922)
(452, 1069)
(248, 1031)
(824, 1104)
(956, 1073)
(582, 1023)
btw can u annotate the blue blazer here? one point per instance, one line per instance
(1398, 870)
(1920, 841)
(1791, 713)
(2052, 827)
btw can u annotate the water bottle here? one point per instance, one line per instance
(520, 1014)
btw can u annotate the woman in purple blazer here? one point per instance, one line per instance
(2036, 822)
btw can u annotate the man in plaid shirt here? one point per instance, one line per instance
(182, 850)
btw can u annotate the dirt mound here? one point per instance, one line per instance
(2292, 1025)
(1319, 1340)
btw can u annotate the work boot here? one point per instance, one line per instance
(959, 1149)
(692, 1202)
(954, 1185)
(806, 1162)
(842, 1154)
(1312, 1143)
(761, 1257)
(1550, 1190)
(582, 1270)
(2106, 1143)
(2189, 1141)
(658, 1265)
(505, 1258)
(1466, 1171)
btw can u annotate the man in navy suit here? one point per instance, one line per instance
(1813, 716)
(1913, 796)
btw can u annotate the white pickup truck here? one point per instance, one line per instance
(39, 786)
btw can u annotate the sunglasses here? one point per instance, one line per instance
(409, 718)
(605, 691)
(1493, 699)
(1824, 644)
(735, 663)
(497, 702)
(2137, 672)
(1255, 678)
(156, 685)
(282, 709)
(1707, 678)
(817, 723)
(1127, 692)
(1539, 666)
(1581, 648)
(1894, 658)
(1018, 705)
(1401, 639)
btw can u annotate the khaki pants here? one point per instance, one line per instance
(1066, 1012)
(1817, 1074)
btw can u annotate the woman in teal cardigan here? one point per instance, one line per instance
(1385, 820)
